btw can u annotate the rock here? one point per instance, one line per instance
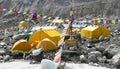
(90, 45)
(116, 59)
(83, 58)
(91, 49)
(72, 48)
(7, 40)
(103, 59)
(1, 57)
(2, 44)
(116, 31)
(101, 37)
(13, 41)
(95, 64)
(2, 52)
(100, 48)
(10, 34)
(6, 58)
(83, 49)
(33, 62)
(19, 36)
(97, 53)
(36, 52)
(91, 63)
(107, 38)
(92, 58)
(112, 50)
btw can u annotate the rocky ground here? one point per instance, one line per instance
(22, 64)
(104, 53)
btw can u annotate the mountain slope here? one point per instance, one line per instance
(61, 7)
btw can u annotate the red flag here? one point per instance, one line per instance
(16, 12)
(1, 9)
(107, 21)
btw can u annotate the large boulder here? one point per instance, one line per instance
(2, 52)
(112, 50)
(102, 59)
(94, 55)
(2, 44)
(97, 53)
(100, 48)
(6, 58)
(116, 59)
(83, 58)
(92, 58)
(7, 40)
(91, 49)
(36, 52)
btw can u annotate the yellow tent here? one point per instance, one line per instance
(23, 24)
(21, 46)
(45, 33)
(46, 44)
(94, 32)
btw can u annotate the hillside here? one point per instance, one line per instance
(61, 7)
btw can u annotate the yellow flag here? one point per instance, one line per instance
(113, 21)
(10, 11)
(49, 17)
(38, 15)
(98, 20)
(24, 13)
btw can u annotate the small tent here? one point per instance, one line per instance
(23, 24)
(46, 44)
(94, 32)
(45, 33)
(21, 46)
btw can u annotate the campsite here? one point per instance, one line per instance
(38, 41)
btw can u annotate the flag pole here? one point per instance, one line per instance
(72, 19)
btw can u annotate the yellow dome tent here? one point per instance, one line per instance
(45, 33)
(21, 46)
(46, 44)
(94, 32)
(23, 24)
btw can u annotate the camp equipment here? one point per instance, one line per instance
(21, 46)
(46, 44)
(45, 33)
(94, 31)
